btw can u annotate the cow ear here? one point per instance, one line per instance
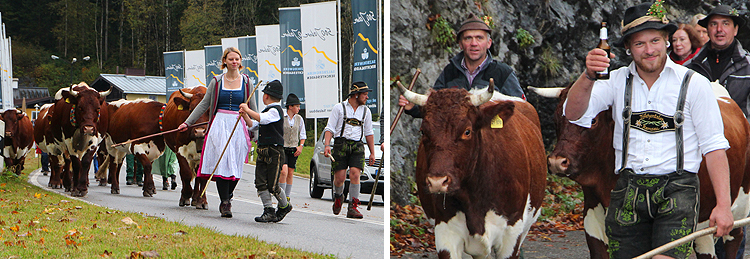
(495, 113)
(67, 97)
(20, 116)
(182, 104)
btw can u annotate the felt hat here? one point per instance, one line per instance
(643, 17)
(473, 23)
(275, 89)
(724, 10)
(358, 87)
(292, 99)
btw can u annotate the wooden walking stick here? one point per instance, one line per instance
(401, 110)
(685, 239)
(229, 140)
(377, 177)
(157, 134)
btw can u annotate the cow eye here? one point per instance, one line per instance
(593, 121)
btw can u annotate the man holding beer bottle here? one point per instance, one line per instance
(655, 198)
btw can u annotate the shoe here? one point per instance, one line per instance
(338, 200)
(139, 183)
(174, 183)
(281, 213)
(226, 209)
(45, 173)
(165, 185)
(129, 182)
(352, 212)
(269, 215)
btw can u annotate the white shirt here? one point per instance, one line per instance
(302, 133)
(703, 129)
(270, 116)
(350, 132)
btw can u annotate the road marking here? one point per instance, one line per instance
(33, 179)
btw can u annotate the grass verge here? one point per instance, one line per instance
(35, 223)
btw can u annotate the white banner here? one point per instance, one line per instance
(268, 39)
(320, 45)
(195, 70)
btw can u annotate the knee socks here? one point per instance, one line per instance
(288, 189)
(265, 197)
(354, 191)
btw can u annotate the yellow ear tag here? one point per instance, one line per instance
(179, 107)
(67, 100)
(497, 122)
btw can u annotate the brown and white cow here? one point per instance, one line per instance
(187, 145)
(19, 139)
(45, 141)
(130, 120)
(78, 123)
(481, 179)
(587, 157)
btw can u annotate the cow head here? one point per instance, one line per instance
(452, 128)
(186, 103)
(87, 104)
(578, 149)
(12, 120)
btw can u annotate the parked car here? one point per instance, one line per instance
(320, 169)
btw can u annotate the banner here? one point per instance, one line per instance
(195, 68)
(174, 71)
(267, 40)
(320, 45)
(247, 47)
(291, 53)
(213, 61)
(366, 49)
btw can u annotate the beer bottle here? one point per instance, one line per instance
(603, 44)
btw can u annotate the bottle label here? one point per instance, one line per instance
(604, 73)
(603, 33)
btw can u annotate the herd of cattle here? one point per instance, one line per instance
(81, 123)
(481, 171)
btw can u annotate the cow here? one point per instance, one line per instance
(78, 123)
(480, 171)
(586, 155)
(45, 141)
(130, 120)
(19, 139)
(187, 145)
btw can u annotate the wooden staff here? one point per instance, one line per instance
(401, 110)
(688, 238)
(230, 139)
(377, 176)
(158, 134)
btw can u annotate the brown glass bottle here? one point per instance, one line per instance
(603, 44)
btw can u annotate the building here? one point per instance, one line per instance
(35, 97)
(131, 87)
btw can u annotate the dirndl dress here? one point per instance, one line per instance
(230, 166)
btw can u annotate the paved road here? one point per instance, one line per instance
(310, 226)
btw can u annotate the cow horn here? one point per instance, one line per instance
(73, 92)
(551, 92)
(418, 99)
(187, 95)
(105, 93)
(485, 96)
(18, 111)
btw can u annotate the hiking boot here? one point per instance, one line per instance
(139, 183)
(225, 208)
(174, 181)
(129, 181)
(165, 184)
(352, 211)
(281, 213)
(269, 215)
(338, 200)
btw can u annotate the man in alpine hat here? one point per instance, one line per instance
(655, 199)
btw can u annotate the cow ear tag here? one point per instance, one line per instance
(497, 122)
(179, 107)
(67, 100)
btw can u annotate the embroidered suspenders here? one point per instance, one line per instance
(353, 121)
(654, 122)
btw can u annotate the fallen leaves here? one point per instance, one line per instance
(179, 233)
(143, 254)
(128, 221)
(106, 254)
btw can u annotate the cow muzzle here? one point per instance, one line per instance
(438, 184)
(8, 134)
(558, 165)
(88, 130)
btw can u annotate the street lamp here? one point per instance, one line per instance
(72, 61)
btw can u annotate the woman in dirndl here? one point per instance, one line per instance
(223, 96)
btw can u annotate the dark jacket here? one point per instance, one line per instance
(736, 76)
(453, 76)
